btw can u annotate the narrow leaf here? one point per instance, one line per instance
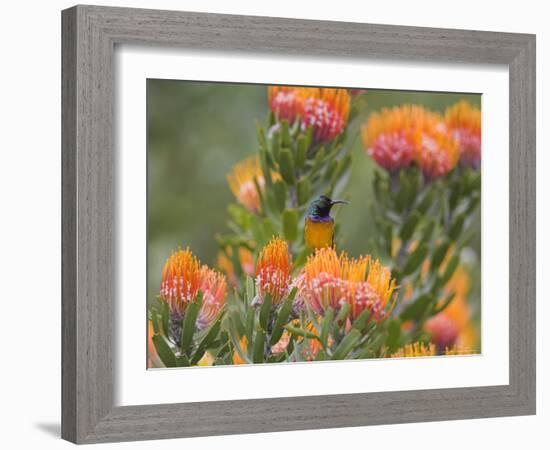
(286, 166)
(258, 355)
(265, 310)
(347, 344)
(164, 351)
(290, 224)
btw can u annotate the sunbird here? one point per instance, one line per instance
(319, 226)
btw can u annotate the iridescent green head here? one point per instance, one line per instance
(321, 206)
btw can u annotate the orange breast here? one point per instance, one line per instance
(318, 234)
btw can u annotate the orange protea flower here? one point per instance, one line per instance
(325, 109)
(464, 122)
(241, 181)
(214, 289)
(286, 102)
(447, 326)
(329, 280)
(415, 349)
(273, 271)
(181, 280)
(396, 137)
(388, 136)
(436, 149)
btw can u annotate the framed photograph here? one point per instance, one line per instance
(268, 222)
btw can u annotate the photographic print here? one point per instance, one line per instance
(291, 224)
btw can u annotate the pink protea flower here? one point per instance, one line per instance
(464, 122)
(327, 112)
(273, 272)
(181, 279)
(328, 280)
(324, 109)
(388, 136)
(214, 289)
(397, 137)
(436, 149)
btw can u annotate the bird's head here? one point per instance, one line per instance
(321, 206)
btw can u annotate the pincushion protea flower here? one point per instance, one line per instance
(273, 272)
(464, 122)
(388, 136)
(328, 280)
(324, 109)
(414, 350)
(214, 289)
(436, 150)
(181, 280)
(397, 137)
(241, 181)
(287, 102)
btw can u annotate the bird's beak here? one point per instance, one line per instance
(336, 202)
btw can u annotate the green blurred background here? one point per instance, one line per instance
(197, 131)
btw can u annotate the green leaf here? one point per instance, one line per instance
(265, 310)
(164, 351)
(417, 307)
(165, 315)
(258, 354)
(286, 166)
(309, 136)
(285, 134)
(155, 317)
(250, 319)
(394, 334)
(325, 326)
(344, 165)
(303, 191)
(439, 254)
(249, 290)
(301, 152)
(319, 155)
(343, 314)
(415, 259)
(456, 227)
(331, 168)
(188, 330)
(279, 194)
(407, 230)
(276, 144)
(281, 320)
(301, 332)
(449, 270)
(347, 344)
(290, 224)
(260, 133)
(425, 202)
(266, 172)
(361, 322)
(182, 360)
(211, 334)
(428, 231)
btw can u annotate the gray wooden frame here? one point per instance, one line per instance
(90, 34)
